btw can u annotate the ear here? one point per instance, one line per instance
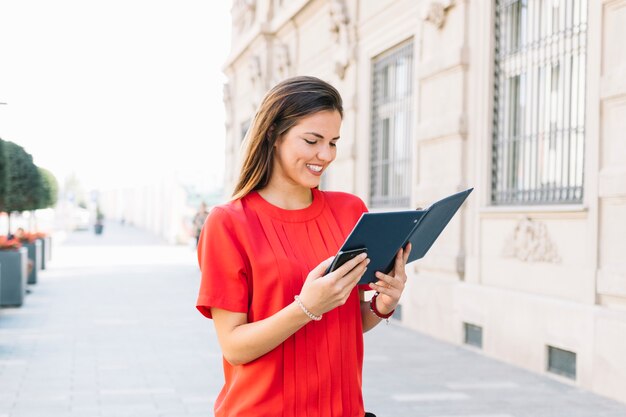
(270, 131)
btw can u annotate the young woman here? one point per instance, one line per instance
(291, 337)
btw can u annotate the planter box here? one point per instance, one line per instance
(45, 251)
(48, 252)
(34, 254)
(13, 271)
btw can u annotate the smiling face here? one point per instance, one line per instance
(306, 150)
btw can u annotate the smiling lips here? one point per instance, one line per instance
(315, 169)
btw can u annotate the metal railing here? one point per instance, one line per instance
(390, 151)
(539, 102)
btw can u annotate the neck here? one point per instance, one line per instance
(294, 198)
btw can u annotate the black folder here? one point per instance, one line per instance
(383, 234)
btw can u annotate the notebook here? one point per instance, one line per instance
(383, 234)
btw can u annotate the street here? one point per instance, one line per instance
(111, 329)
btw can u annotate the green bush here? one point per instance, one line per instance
(50, 189)
(23, 185)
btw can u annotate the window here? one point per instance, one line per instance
(562, 362)
(473, 335)
(390, 158)
(539, 102)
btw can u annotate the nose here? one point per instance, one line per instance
(325, 153)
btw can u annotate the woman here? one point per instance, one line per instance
(291, 337)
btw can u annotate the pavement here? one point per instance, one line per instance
(111, 329)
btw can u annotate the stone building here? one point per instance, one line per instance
(525, 100)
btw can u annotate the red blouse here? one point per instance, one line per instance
(254, 258)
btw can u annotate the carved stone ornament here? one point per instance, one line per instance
(244, 12)
(228, 104)
(341, 29)
(257, 80)
(530, 242)
(283, 61)
(250, 5)
(435, 12)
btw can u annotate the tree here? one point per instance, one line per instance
(3, 179)
(23, 180)
(50, 189)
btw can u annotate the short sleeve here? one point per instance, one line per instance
(222, 262)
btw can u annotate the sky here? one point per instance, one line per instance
(116, 92)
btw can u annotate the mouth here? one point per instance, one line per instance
(315, 169)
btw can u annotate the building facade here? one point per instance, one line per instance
(160, 207)
(524, 100)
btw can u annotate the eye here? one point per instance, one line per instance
(310, 142)
(333, 144)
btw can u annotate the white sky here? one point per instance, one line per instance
(116, 91)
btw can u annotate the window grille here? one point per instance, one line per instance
(390, 157)
(473, 335)
(539, 102)
(562, 362)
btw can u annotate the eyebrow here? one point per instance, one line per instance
(318, 135)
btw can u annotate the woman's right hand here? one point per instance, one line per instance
(322, 293)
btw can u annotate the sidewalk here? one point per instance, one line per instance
(111, 330)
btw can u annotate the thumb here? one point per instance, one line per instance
(319, 270)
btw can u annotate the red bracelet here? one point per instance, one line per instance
(375, 310)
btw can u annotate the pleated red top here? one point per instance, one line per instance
(254, 258)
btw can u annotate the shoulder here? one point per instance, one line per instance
(225, 216)
(346, 207)
(338, 200)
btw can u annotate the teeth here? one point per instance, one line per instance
(316, 168)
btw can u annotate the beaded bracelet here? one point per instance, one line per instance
(306, 311)
(377, 313)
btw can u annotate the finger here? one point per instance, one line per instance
(407, 252)
(350, 265)
(349, 281)
(400, 258)
(381, 289)
(353, 277)
(386, 279)
(400, 263)
(319, 270)
(357, 277)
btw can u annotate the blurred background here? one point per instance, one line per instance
(139, 108)
(122, 103)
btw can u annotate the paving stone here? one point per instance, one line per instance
(110, 330)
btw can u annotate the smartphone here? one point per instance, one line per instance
(343, 257)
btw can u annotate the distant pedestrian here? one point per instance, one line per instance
(198, 220)
(291, 336)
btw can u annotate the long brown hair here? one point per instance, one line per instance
(281, 109)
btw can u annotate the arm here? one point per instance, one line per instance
(243, 342)
(390, 288)
(368, 319)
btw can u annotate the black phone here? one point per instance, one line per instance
(343, 257)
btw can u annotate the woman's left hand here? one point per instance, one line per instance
(390, 286)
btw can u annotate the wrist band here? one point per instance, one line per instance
(306, 311)
(377, 313)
